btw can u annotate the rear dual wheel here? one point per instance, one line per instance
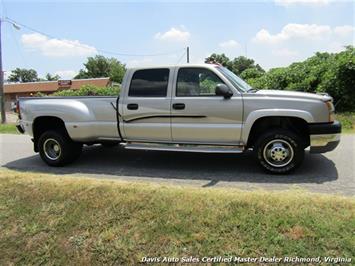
(57, 149)
(279, 151)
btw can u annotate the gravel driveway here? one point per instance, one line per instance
(332, 172)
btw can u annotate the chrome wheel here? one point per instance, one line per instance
(52, 149)
(278, 153)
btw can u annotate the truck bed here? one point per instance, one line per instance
(88, 118)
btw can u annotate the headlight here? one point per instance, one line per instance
(331, 111)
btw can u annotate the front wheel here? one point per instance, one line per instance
(279, 151)
(57, 149)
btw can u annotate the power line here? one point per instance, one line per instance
(124, 54)
(182, 56)
(14, 37)
(78, 45)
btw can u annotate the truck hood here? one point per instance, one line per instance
(295, 94)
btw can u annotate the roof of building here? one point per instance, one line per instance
(52, 86)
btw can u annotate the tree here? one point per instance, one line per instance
(323, 72)
(100, 66)
(339, 79)
(49, 77)
(237, 65)
(23, 75)
(242, 63)
(251, 73)
(221, 59)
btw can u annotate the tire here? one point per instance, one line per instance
(57, 149)
(279, 151)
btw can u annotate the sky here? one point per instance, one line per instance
(57, 36)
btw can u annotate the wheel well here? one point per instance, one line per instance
(295, 124)
(45, 123)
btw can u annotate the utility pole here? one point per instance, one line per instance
(2, 96)
(188, 54)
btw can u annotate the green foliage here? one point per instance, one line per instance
(50, 77)
(100, 66)
(219, 59)
(207, 86)
(347, 120)
(237, 65)
(323, 72)
(89, 90)
(241, 64)
(39, 94)
(276, 78)
(23, 75)
(251, 73)
(333, 73)
(339, 79)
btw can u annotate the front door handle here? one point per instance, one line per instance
(179, 106)
(132, 106)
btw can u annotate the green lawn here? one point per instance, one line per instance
(51, 219)
(348, 121)
(8, 128)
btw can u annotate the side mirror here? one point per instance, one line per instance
(223, 90)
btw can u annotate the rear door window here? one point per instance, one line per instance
(149, 83)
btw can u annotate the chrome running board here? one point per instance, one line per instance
(183, 147)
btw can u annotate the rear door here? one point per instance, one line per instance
(146, 105)
(199, 115)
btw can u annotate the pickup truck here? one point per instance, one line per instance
(188, 108)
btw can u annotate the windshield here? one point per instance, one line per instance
(234, 79)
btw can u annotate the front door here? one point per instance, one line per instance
(146, 106)
(201, 117)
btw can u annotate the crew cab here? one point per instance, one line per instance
(187, 108)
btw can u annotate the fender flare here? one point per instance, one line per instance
(255, 115)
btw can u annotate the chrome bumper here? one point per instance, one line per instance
(324, 137)
(324, 142)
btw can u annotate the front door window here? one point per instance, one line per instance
(196, 82)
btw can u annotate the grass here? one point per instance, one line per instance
(49, 219)
(8, 129)
(347, 120)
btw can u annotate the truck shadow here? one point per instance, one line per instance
(97, 160)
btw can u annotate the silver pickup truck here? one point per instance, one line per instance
(188, 108)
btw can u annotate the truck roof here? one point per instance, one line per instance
(175, 65)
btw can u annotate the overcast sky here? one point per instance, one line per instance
(273, 33)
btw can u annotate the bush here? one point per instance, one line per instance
(347, 120)
(89, 90)
(323, 72)
(39, 94)
(251, 73)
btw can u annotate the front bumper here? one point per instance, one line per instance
(324, 137)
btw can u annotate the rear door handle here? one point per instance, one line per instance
(179, 106)
(132, 106)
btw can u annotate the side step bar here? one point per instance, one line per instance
(183, 147)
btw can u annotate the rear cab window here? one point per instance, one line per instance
(149, 83)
